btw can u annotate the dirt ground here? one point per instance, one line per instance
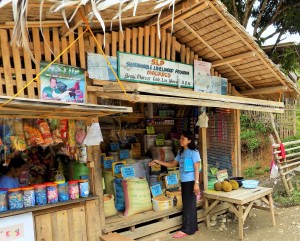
(258, 227)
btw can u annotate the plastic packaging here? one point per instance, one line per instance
(73, 190)
(84, 188)
(63, 192)
(15, 199)
(52, 192)
(28, 196)
(40, 194)
(3, 201)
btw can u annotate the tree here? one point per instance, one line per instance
(283, 15)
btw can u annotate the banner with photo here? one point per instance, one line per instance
(150, 70)
(63, 83)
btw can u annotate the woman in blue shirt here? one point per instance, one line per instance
(10, 179)
(189, 162)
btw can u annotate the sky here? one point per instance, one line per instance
(287, 38)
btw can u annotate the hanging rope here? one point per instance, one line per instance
(105, 57)
(38, 75)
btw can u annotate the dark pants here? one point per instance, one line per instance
(189, 210)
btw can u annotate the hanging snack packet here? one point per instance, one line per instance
(71, 133)
(80, 131)
(63, 127)
(45, 131)
(54, 128)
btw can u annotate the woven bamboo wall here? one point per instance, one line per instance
(17, 69)
(220, 139)
(285, 123)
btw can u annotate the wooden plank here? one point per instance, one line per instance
(233, 59)
(192, 54)
(128, 40)
(169, 44)
(5, 51)
(107, 43)
(188, 102)
(43, 227)
(140, 41)
(64, 45)
(56, 44)
(238, 143)
(163, 43)
(114, 40)
(134, 41)
(188, 55)
(94, 226)
(71, 223)
(91, 47)
(157, 44)
(79, 224)
(186, 92)
(54, 226)
(47, 45)
(72, 49)
(152, 40)
(204, 159)
(37, 52)
(62, 225)
(121, 41)
(146, 40)
(114, 237)
(18, 69)
(173, 49)
(29, 76)
(81, 49)
(99, 38)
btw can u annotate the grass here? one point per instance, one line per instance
(282, 199)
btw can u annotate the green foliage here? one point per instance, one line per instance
(284, 200)
(249, 172)
(253, 134)
(288, 59)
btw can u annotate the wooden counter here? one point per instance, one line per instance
(74, 220)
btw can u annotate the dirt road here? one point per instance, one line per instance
(258, 227)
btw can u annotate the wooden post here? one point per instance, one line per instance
(203, 148)
(237, 167)
(95, 170)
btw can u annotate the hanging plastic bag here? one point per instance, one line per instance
(274, 172)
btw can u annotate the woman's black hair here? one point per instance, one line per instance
(16, 162)
(190, 136)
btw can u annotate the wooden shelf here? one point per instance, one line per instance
(47, 207)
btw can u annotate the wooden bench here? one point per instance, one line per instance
(288, 164)
(114, 237)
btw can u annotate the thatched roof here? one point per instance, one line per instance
(204, 26)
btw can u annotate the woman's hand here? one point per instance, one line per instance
(152, 163)
(196, 189)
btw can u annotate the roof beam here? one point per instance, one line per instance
(180, 8)
(233, 59)
(267, 90)
(183, 15)
(212, 6)
(214, 51)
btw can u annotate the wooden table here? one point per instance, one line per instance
(237, 200)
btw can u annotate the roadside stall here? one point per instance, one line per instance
(158, 100)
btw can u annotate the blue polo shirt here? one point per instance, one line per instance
(9, 182)
(191, 154)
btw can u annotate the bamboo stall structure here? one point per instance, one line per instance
(202, 30)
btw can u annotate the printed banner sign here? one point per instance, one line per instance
(156, 190)
(98, 67)
(63, 83)
(138, 68)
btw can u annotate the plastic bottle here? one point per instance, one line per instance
(40, 194)
(15, 199)
(28, 196)
(3, 201)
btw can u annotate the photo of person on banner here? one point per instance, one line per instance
(62, 83)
